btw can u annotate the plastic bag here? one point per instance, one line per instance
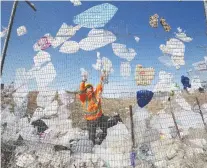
(97, 16)
(21, 31)
(144, 76)
(97, 38)
(121, 51)
(69, 47)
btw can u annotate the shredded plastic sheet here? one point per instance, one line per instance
(166, 60)
(165, 25)
(4, 32)
(107, 66)
(43, 43)
(41, 58)
(200, 66)
(186, 82)
(84, 73)
(182, 103)
(21, 31)
(20, 96)
(98, 64)
(144, 97)
(122, 51)
(45, 75)
(25, 160)
(153, 20)
(97, 38)
(69, 47)
(76, 2)
(136, 39)
(182, 35)
(125, 69)
(165, 82)
(97, 16)
(176, 49)
(64, 33)
(195, 83)
(144, 76)
(45, 97)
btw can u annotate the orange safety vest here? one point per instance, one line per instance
(92, 110)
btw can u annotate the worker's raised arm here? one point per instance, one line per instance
(99, 87)
(82, 92)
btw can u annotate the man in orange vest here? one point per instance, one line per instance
(91, 103)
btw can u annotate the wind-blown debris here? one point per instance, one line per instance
(21, 31)
(97, 38)
(96, 17)
(122, 51)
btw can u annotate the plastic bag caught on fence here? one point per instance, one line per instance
(41, 58)
(125, 69)
(4, 32)
(21, 31)
(182, 35)
(97, 16)
(43, 43)
(153, 20)
(144, 76)
(166, 60)
(76, 2)
(69, 47)
(97, 38)
(136, 39)
(122, 51)
(64, 33)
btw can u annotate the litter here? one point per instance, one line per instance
(107, 66)
(96, 17)
(122, 51)
(153, 20)
(144, 97)
(97, 38)
(21, 31)
(136, 39)
(176, 49)
(125, 69)
(166, 60)
(4, 32)
(64, 33)
(76, 2)
(200, 66)
(41, 58)
(182, 35)
(144, 76)
(45, 76)
(69, 47)
(165, 82)
(186, 82)
(84, 73)
(165, 25)
(43, 43)
(98, 64)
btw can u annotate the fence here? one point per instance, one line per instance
(151, 120)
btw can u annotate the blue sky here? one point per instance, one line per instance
(131, 17)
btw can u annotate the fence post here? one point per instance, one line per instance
(201, 113)
(173, 116)
(133, 154)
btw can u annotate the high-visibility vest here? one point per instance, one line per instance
(91, 115)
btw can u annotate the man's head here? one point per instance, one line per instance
(89, 88)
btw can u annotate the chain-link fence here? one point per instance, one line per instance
(147, 64)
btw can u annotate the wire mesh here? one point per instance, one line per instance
(42, 109)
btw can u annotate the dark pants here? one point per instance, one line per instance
(103, 122)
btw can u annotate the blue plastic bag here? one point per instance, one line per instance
(186, 82)
(144, 97)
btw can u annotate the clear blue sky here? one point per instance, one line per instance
(131, 17)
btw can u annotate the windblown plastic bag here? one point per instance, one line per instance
(144, 97)
(21, 31)
(186, 82)
(97, 16)
(144, 76)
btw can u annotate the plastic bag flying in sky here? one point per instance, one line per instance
(97, 38)
(21, 31)
(144, 76)
(97, 16)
